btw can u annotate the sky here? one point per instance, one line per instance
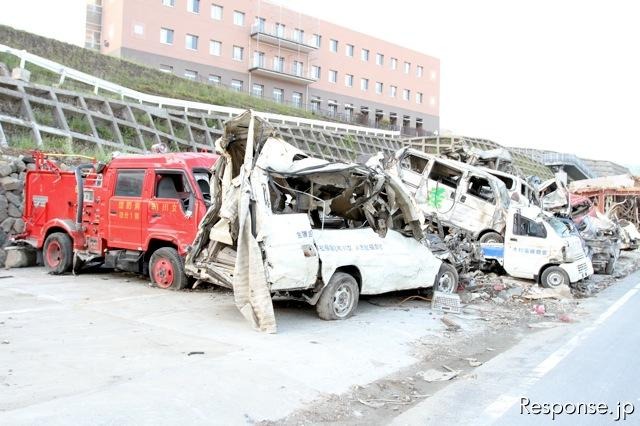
(561, 75)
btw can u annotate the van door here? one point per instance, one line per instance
(170, 214)
(438, 191)
(292, 260)
(125, 210)
(476, 204)
(526, 247)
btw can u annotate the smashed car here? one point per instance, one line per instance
(284, 224)
(454, 194)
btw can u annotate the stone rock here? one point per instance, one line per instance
(18, 226)
(5, 169)
(514, 291)
(19, 257)
(10, 183)
(13, 198)
(7, 224)
(3, 257)
(20, 165)
(4, 203)
(15, 211)
(4, 213)
(31, 166)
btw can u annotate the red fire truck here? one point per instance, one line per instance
(137, 213)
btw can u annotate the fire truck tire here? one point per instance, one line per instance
(166, 269)
(57, 253)
(339, 299)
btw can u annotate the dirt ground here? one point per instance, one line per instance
(510, 310)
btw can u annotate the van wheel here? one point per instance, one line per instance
(447, 279)
(491, 237)
(554, 276)
(166, 269)
(608, 269)
(339, 299)
(57, 253)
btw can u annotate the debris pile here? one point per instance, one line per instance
(12, 175)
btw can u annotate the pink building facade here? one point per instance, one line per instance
(276, 53)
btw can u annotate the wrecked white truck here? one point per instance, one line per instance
(284, 224)
(541, 247)
(456, 194)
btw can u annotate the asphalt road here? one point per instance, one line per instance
(573, 367)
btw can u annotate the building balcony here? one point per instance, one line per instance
(281, 73)
(271, 36)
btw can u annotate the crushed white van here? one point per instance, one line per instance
(284, 224)
(456, 194)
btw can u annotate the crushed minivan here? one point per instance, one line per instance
(284, 224)
(456, 194)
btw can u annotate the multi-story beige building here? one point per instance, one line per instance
(276, 53)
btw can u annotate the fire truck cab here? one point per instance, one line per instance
(137, 213)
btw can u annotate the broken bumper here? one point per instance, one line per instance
(578, 270)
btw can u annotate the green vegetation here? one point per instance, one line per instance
(349, 141)
(43, 115)
(104, 132)
(128, 74)
(79, 124)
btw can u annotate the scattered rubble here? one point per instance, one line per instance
(12, 175)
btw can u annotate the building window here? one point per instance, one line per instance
(238, 53)
(216, 12)
(406, 94)
(280, 30)
(393, 91)
(193, 6)
(298, 35)
(236, 85)
(278, 63)
(349, 48)
(191, 74)
(419, 70)
(379, 87)
(166, 36)
(315, 104)
(191, 42)
(138, 29)
(215, 79)
(364, 84)
(379, 59)
(215, 47)
(260, 24)
(348, 112)
(258, 59)
(333, 76)
(418, 97)
(333, 107)
(166, 68)
(315, 72)
(278, 95)
(238, 18)
(257, 90)
(348, 80)
(170, 3)
(296, 99)
(407, 67)
(333, 45)
(317, 39)
(394, 63)
(364, 54)
(298, 68)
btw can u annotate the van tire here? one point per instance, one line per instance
(554, 276)
(491, 237)
(610, 266)
(57, 253)
(166, 269)
(339, 299)
(447, 279)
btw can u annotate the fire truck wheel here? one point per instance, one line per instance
(57, 253)
(166, 269)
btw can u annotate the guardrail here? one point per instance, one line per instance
(188, 106)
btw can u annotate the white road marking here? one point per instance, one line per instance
(505, 401)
